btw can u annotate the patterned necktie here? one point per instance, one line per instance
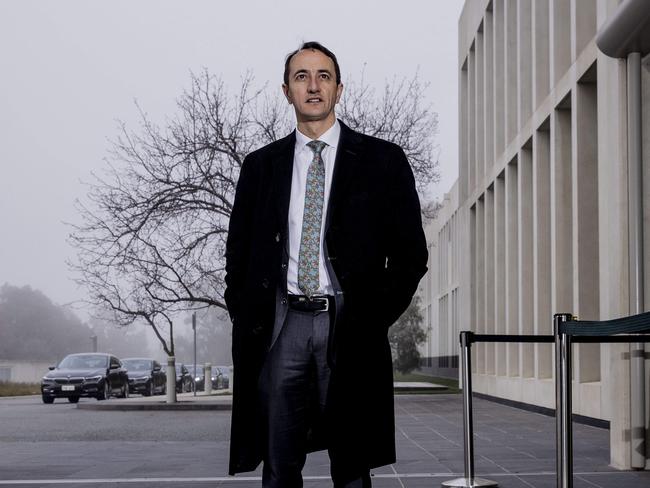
(308, 280)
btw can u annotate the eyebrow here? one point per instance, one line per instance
(319, 71)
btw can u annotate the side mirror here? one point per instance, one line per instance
(156, 368)
(115, 366)
(51, 368)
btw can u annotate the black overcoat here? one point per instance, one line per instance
(376, 248)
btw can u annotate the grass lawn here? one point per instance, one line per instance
(17, 389)
(452, 385)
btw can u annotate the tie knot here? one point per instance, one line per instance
(317, 147)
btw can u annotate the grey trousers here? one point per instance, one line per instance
(293, 386)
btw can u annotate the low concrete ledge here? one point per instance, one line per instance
(138, 406)
(417, 387)
(185, 402)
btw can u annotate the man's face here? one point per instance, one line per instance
(312, 88)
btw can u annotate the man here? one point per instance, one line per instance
(325, 251)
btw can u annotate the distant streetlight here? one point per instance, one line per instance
(194, 329)
(93, 340)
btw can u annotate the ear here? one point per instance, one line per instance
(339, 91)
(285, 89)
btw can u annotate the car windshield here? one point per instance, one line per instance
(137, 364)
(84, 361)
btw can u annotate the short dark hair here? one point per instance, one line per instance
(318, 47)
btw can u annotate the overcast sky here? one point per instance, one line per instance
(70, 69)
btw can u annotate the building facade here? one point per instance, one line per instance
(538, 221)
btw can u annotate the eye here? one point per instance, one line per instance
(324, 76)
(301, 76)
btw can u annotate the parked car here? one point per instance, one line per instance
(225, 373)
(198, 379)
(145, 376)
(95, 375)
(183, 378)
(217, 378)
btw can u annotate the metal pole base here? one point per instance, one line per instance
(469, 482)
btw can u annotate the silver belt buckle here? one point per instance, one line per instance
(327, 302)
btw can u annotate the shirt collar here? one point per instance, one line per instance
(329, 137)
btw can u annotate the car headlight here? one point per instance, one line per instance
(142, 378)
(45, 379)
(93, 379)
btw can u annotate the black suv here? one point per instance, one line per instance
(89, 374)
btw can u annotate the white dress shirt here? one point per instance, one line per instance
(302, 158)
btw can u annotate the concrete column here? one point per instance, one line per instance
(463, 128)
(207, 379)
(542, 249)
(499, 123)
(479, 318)
(583, 23)
(490, 282)
(471, 118)
(525, 285)
(561, 204)
(560, 34)
(499, 296)
(613, 248)
(540, 47)
(488, 84)
(171, 379)
(512, 264)
(524, 62)
(479, 127)
(585, 227)
(512, 77)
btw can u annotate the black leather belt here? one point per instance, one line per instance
(317, 303)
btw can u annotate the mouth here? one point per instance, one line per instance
(314, 100)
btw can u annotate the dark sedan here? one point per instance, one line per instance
(95, 375)
(183, 378)
(145, 376)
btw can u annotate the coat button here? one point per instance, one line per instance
(284, 301)
(258, 330)
(265, 283)
(284, 265)
(277, 237)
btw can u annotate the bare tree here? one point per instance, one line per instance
(399, 115)
(151, 239)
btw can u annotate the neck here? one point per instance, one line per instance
(316, 128)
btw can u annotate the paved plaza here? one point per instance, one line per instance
(61, 445)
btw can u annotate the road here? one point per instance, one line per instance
(57, 442)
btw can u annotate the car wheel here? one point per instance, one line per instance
(124, 392)
(48, 399)
(149, 390)
(103, 395)
(164, 388)
(74, 399)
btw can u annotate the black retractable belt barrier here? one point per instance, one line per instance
(466, 340)
(569, 330)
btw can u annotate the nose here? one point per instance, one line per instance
(313, 85)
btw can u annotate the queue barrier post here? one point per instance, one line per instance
(563, 403)
(468, 481)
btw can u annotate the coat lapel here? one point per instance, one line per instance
(282, 172)
(345, 166)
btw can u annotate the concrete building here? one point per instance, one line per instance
(540, 221)
(23, 371)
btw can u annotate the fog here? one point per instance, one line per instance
(71, 69)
